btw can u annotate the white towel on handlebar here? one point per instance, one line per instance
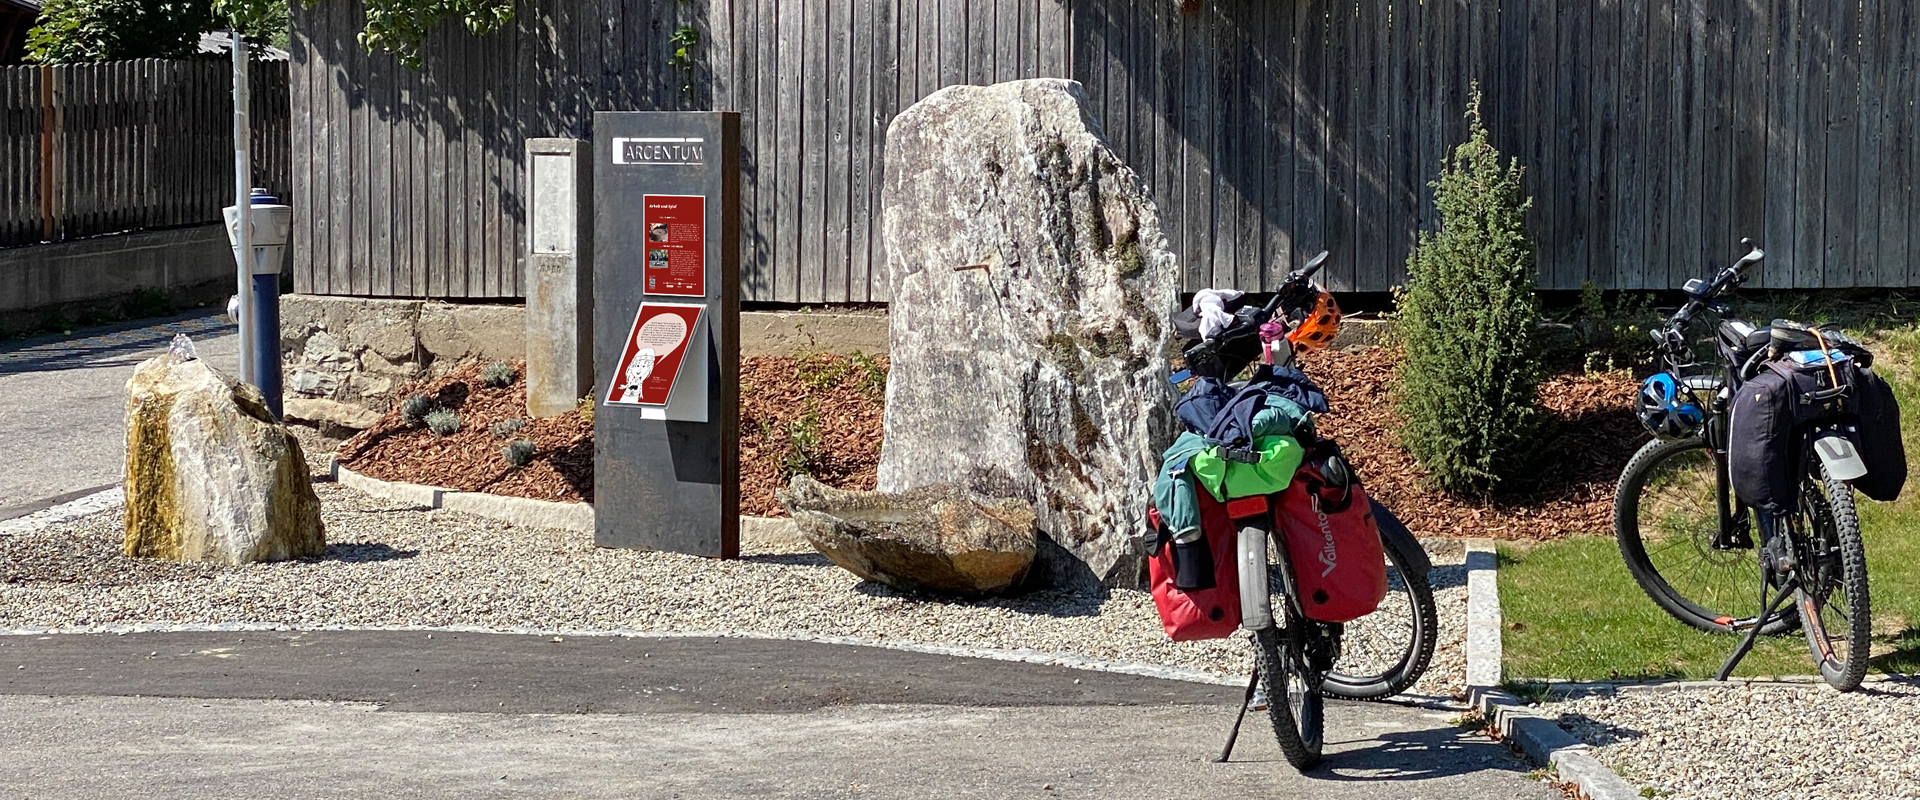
(1211, 306)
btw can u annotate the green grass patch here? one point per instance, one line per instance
(1573, 612)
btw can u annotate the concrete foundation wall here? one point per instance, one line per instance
(180, 262)
(359, 350)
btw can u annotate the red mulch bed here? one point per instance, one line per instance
(1591, 434)
(831, 404)
(823, 415)
(469, 460)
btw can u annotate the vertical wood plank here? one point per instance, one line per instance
(1310, 175)
(1658, 144)
(1602, 164)
(1752, 35)
(1196, 211)
(1843, 160)
(1873, 151)
(1631, 217)
(1897, 192)
(1372, 120)
(1810, 153)
(1718, 156)
(838, 89)
(1784, 81)
(1339, 213)
(1410, 54)
(1227, 121)
(888, 43)
(813, 143)
(792, 144)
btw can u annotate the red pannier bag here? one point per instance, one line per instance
(1212, 613)
(1334, 546)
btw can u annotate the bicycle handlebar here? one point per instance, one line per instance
(1671, 336)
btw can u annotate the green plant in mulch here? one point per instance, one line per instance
(586, 409)
(873, 376)
(443, 422)
(507, 427)
(415, 408)
(1468, 320)
(518, 453)
(803, 445)
(498, 375)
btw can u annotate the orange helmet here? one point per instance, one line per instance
(1319, 326)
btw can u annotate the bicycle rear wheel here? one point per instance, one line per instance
(1666, 519)
(1387, 651)
(1835, 610)
(1294, 705)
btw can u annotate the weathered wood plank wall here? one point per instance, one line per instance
(1655, 133)
(103, 148)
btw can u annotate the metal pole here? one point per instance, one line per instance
(242, 191)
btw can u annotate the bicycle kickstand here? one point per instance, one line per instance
(1234, 735)
(1767, 609)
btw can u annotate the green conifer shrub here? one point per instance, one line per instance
(1469, 319)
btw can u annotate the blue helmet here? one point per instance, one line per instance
(1669, 408)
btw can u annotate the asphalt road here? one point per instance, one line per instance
(361, 714)
(63, 401)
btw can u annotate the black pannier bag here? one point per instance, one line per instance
(1771, 413)
(1762, 450)
(1878, 438)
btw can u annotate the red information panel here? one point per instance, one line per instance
(655, 349)
(676, 245)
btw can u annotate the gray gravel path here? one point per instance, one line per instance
(389, 564)
(1758, 741)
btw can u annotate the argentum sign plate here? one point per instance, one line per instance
(662, 150)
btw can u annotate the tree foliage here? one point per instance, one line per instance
(1469, 320)
(400, 26)
(85, 31)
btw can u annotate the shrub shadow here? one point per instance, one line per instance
(1595, 732)
(365, 552)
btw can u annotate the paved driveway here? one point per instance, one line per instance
(63, 401)
(399, 714)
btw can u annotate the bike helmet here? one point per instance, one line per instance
(1668, 408)
(1320, 325)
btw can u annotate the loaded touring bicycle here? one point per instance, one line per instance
(1261, 527)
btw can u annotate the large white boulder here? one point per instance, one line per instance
(1031, 291)
(211, 476)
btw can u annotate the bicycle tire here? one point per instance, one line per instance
(1734, 573)
(1414, 657)
(1295, 709)
(1849, 554)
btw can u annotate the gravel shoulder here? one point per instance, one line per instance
(1756, 741)
(393, 565)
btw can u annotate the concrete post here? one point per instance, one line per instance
(559, 275)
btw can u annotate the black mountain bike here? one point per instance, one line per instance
(1298, 661)
(1691, 544)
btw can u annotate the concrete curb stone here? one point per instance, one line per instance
(758, 532)
(1532, 730)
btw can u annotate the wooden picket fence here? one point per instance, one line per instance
(91, 149)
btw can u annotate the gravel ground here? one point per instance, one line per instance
(1757, 741)
(390, 564)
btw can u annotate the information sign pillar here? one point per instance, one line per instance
(666, 317)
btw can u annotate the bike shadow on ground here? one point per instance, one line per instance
(1431, 754)
(1904, 660)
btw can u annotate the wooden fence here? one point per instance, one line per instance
(102, 148)
(1655, 133)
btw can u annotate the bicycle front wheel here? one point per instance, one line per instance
(1294, 705)
(1666, 520)
(1832, 596)
(1384, 653)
